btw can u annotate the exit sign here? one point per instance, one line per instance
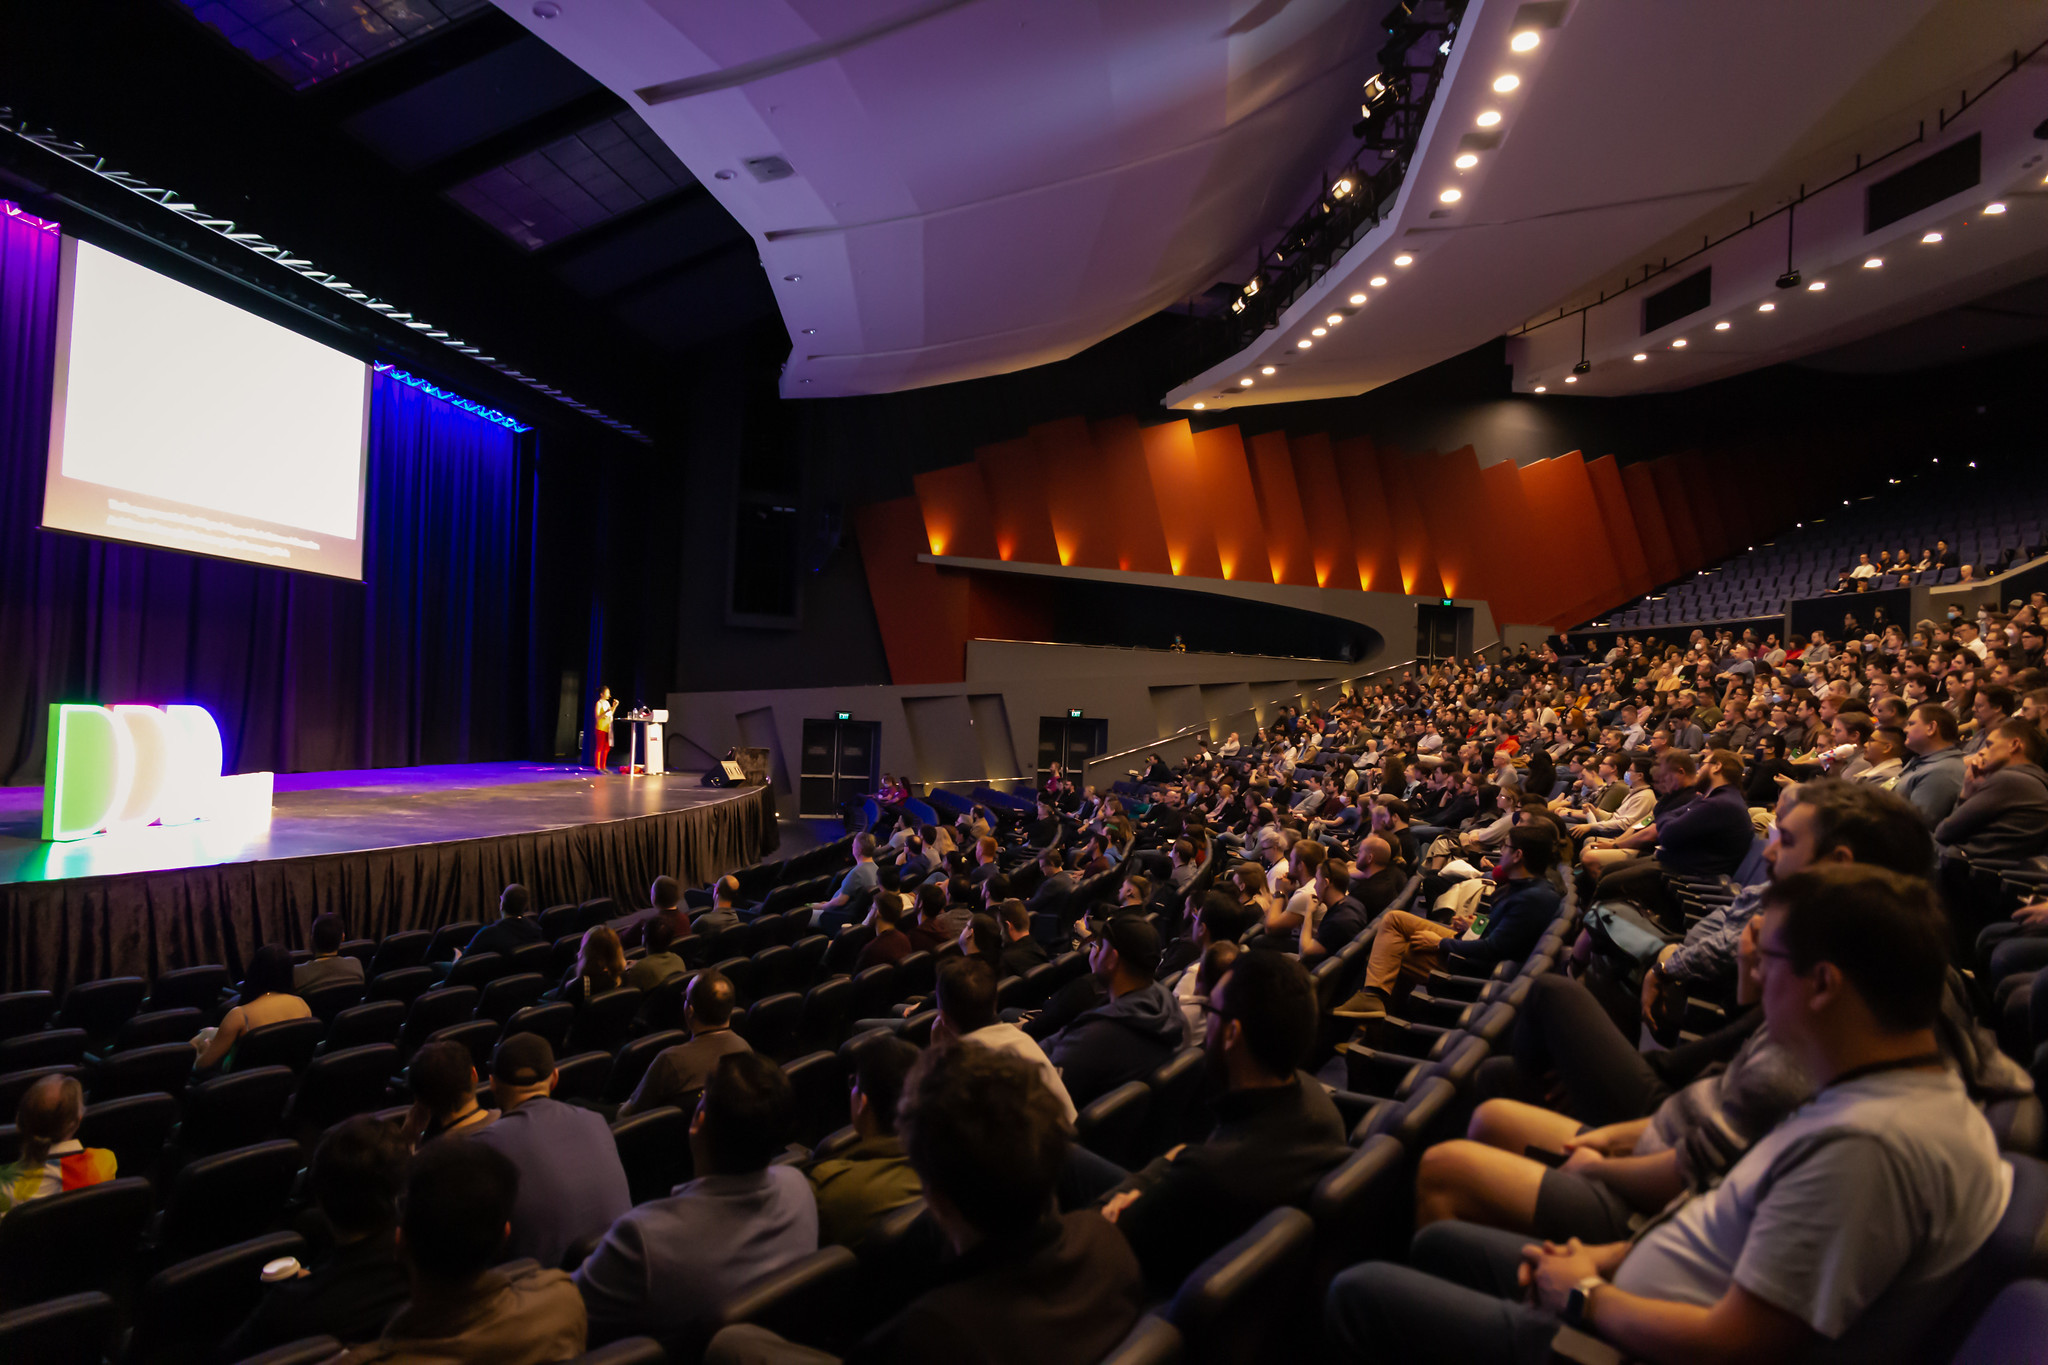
(1449, 603)
(845, 715)
(1073, 713)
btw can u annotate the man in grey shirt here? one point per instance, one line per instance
(677, 1075)
(1840, 1236)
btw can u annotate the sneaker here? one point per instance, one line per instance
(1367, 1004)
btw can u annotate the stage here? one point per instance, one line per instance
(387, 849)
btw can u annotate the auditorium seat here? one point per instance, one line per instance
(654, 1148)
(917, 974)
(199, 987)
(551, 1021)
(165, 1067)
(449, 939)
(73, 1242)
(1361, 1209)
(184, 1309)
(581, 1077)
(227, 1111)
(73, 1330)
(99, 1008)
(477, 969)
(158, 1026)
(1416, 1121)
(662, 1008)
(775, 968)
(397, 951)
(2009, 1332)
(558, 921)
(596, 911)
(1179, 1111)
(225, 1197)
(287, 1043)
(528, 957)
(770, 1025)
(810, 1301)
(1153, 1341)
(373, 1021)
(306, 1351)
(1113, 1125)
(826, 1012)
(480, 1036)
(819, 1080)
(626, 1351)
(604, 1021)
(25, 1012)
(1252, 1300)
(403, 984)
(328, 1001)
(506, 995)
(432, 1011)
(134, 1128)
(811, 950)
(51, 1047)
(338, 1084)
(630, 1063)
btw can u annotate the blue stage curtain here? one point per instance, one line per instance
(426, 661)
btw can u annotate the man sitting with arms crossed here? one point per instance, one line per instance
(1839, 1236)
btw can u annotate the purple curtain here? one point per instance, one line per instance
(426, 661)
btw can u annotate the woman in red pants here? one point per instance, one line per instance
(605, 707)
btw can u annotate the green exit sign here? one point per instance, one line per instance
(845, 715)
(1073, 713)
(1449, 603)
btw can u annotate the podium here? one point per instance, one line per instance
(644, 748)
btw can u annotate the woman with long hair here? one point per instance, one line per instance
(52, 1160)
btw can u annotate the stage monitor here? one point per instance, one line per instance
(181, 421)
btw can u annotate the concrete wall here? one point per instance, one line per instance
(985, 729)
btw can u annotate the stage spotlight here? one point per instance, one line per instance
(1583, 367)
(1526, 40)
(1506, 85)
(1789, 280)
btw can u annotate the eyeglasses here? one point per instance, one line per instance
(1210, 1007)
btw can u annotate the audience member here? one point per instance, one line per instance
(678, 1074)
(600, 966)
(467, 1306)
(660, 963)
(890, 944)
(966, 998)
(1021, 952)
(329, 966)
(724, 913)
(443, 1080)
(1932, 777)
(515, 926)
(52, 1160)
(1138, 1028)
(666, 1265)
(571, 1184)
(266, 998)
(2003, 812)
(857, 1185)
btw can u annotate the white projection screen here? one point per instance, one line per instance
(181, 421)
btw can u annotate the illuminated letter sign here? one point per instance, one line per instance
(125, 767)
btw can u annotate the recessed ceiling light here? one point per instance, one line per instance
(1265, 369)
(792, 278)
(1678, 345)
(1357, 299)
(1333, 319)
(1303, 344)
(1404, 259)
(1929, 238)
(1571, 379)
(1994, 207)
(1506, 84)
(1541, 388)
(1489, 118)
(1722, 326)
(810, 331)
(1816, 286)
(1378, 281)
(1526, 40)
(1875, 262)
(1200, 406)
(1318, 331)
(1466, 162)
(1451, 196)
(1245, 383)
(1640, 356)
(1767, 308)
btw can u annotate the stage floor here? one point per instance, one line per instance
(354, 812)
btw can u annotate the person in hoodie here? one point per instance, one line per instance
(1135, 1031)
(2003, 812)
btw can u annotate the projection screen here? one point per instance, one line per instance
(181, 421)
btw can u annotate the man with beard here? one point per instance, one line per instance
(1276, 1134)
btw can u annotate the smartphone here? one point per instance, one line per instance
(1544, 1155)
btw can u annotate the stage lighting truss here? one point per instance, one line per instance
(78, 155)
(432, 390)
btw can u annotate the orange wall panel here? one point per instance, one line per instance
(1016, 495)
(921, 610)
(1659, 552)
(1669, 478)
(1412, 547)
(1502, 515)
(1620, 524)
(1287, 539)
(1332, 556)
(957, 520)
(1127, 483)
(1365, 507)
(1580, 574)
(1083, 518)
(1702, 499)
(1226, 480)
(1183, 503)
(1451, 491)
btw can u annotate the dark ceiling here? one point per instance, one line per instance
(431, 151)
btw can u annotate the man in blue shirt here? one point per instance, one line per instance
(570, 1181)
(858, 884)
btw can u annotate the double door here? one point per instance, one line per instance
(840, 763)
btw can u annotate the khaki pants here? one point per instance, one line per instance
(1406, 945)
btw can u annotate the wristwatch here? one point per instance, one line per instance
(1578, 1305)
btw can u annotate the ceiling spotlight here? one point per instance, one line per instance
(1640, 356)
(1526, 40)
(1874, 263)
(1506, 84)
(1583, 367)
(1333, 319)
(1265, 369)
(1357, 300)
(1404, 259)
(1542, 388)
(1303, 344)
(1994, 207)
(1451, 196)
(1571, 379)
(1340, 189)
(1767, 308)
(1200, 406)
(1318, 331)
(810, 331)
(1378, 281)
(1816, 286)
(1245, 383)
(1788, 280)
(792, 278)
(1722, 326)
(1489, 118)
(1466, 162)
(1679, 344)
(1929, 238)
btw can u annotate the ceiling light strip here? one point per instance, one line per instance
(224, 228)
